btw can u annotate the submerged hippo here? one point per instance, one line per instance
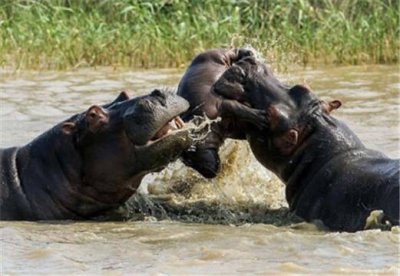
(93, 161)
(196, 86)
(329, 174)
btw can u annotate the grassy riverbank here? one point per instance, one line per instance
(61, 34)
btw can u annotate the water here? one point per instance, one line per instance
(181, 223)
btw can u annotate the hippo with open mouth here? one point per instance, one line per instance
(329, 174)
(94, 161)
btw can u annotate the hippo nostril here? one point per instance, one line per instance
(159, 96)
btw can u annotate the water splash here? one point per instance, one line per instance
(200, 127)
(243, 192)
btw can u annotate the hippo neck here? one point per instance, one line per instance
(328, 140)
(49, 169)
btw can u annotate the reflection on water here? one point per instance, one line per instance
(178, 248)
(245, 194)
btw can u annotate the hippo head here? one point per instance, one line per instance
(288, 109)
(122, 141)
(255, 81)
(291, 123)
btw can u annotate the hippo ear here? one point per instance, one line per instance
(332, 105)
(291, 137)
(68, 128)
(96, 117)
(123, 96)
(335, 104)
(287, 142)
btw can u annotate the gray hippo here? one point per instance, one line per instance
(196, 86)
(330, 175)
(93, 161)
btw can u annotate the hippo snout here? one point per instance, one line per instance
(146, 117)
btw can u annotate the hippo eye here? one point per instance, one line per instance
(300, 89)
(156, 93)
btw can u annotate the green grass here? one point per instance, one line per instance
(62, 34)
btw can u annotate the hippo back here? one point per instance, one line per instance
(13, 201)
(195, 85)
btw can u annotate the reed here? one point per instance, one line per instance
(62, 34)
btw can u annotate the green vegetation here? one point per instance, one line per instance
(60, 34)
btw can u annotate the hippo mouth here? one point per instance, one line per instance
(154, 117)
(195, 130)
(175, 124)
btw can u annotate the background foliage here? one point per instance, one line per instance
(60, 34)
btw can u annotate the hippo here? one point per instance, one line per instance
(196, 87)
(95, 160)
(330, 176)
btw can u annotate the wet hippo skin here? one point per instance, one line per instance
(196, 86)
(93, 161)
(330, 175)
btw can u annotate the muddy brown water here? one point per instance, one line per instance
(181, 223)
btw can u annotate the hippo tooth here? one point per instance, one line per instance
(179, 122)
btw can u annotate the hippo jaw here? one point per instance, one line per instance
(173, 125)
